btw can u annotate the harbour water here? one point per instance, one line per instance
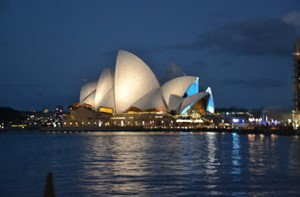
(149, 164)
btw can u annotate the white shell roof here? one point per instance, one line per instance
(104, 93)
(108, 101)
(134, 85)
(90, 99)
(177, 86)
(151, 100)
(87, 89)
(133, 80)
(175, 102)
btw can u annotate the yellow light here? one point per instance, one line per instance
(19, 126)
(106, 110)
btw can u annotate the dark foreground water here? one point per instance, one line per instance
(149, 164)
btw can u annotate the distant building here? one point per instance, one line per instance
(296, 113)
(278, 115)
(59, 109)
(250, 119)
(297, 76)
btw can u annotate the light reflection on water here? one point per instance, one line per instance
(236, 157)
(150, 164)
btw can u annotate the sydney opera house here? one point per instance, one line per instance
(132, 95)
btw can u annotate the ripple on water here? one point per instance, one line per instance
(155, 164)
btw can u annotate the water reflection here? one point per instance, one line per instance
(236, 157)
(117, 163)
(152, 164)
(294, 156)
(212, 162)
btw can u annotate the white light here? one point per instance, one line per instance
(235, 120)
(297, 54)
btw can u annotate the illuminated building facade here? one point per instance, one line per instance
(133, 85)
(132, 88)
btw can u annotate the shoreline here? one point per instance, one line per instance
(266, 131)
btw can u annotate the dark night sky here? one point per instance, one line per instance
(242, 50)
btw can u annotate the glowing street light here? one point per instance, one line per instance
(296, 53)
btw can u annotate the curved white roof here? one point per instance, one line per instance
(104, 93)
(90, 99)
(86, 90)
(175, 102)
(109, 100)
(177, 86)
(150, 101)
(133, 80)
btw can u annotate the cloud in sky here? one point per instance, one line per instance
(255, 37)
(255, 83)
(292, 18)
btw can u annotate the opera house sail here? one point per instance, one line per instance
(132, 87)
(133, 80)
